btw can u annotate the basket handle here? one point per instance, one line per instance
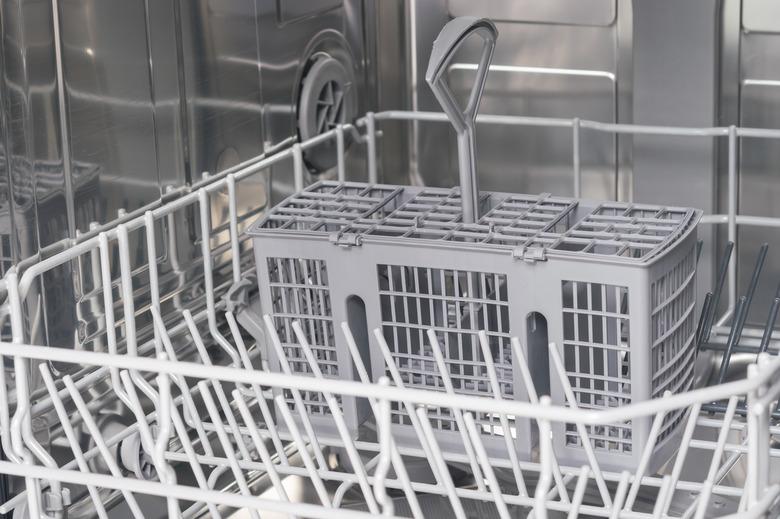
(447, 43)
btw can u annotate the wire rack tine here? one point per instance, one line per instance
(338, 417)
(579, 492)
(97, 437)
(444, 478)
(208, 276)
(197, 469)
(385, 459)
(490, 475)
(720, 282)
(655, 428)
(166, 473)
(226, 444)
(490, 367)
(262, 450)
(72, 438)
(300, 406)
(287, 416)
(257, 391)
(398, 463)
(108, 312)
(457, 413)
(410, 410)
(703, 499)
(581, 428)
(221, 398)
(151, 260)
(620, 494)
(189, 409)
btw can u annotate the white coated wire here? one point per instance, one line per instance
(207, 420)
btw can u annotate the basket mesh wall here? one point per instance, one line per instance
(673, 324)
(455, 304)
(300, 292)
(596, 357)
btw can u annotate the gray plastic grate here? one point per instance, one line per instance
(626, 230)
(300, 292)
(673, 324)
(597, 356)
(330, 206)
(632, 232)
(455, 305)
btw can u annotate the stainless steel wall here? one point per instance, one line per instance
(750, 96)
(675, 83)
(289, 34)
(107, 104)
(34, 211)
(553, 58)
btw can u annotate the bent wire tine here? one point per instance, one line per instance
(719, 283)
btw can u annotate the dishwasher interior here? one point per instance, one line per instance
(143, 376)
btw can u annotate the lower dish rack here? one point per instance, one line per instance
(167, 408)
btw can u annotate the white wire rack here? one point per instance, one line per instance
(199, 433)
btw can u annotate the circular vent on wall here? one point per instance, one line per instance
(327, 99)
